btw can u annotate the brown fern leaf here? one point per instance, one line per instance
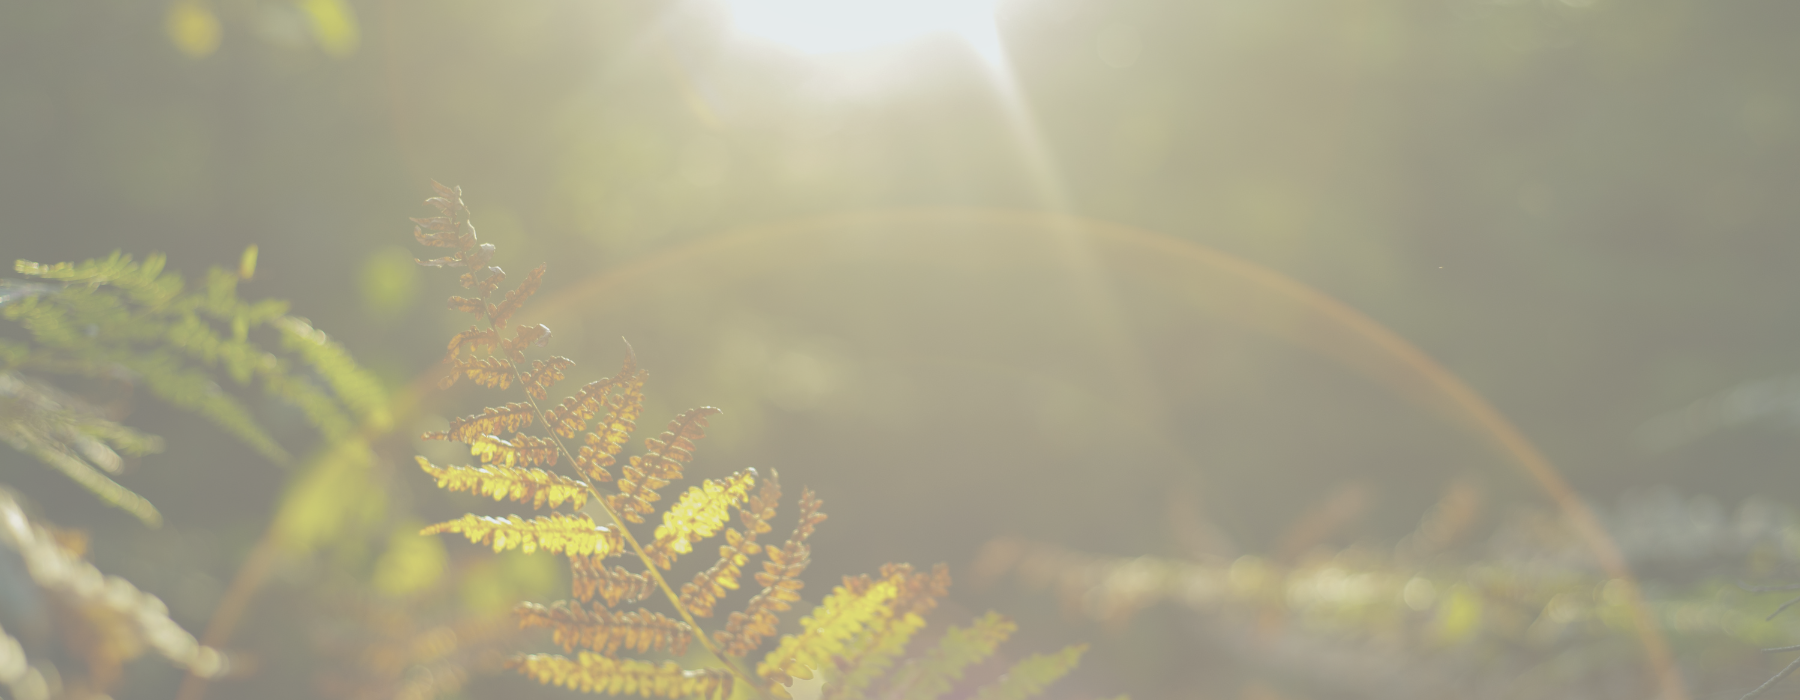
(522, 449)
(660, 464)
(524, 336)
(593, 673)
(571, 416)
(697, 515)
(606, 440)
(916, 592)
(556, 533)
(780, 578)
(473, 339)
(499, 314)
(452, 229)
(487, 371)
(491, 421)
(590, 579)
(545, 373)
(534, 486)
(469, 305)
(605, 631)
(709, 586)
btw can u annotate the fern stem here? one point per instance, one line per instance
(649, 565)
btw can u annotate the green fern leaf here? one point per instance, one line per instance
(1028, 678)
(936, 672)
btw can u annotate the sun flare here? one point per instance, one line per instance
(819, 27)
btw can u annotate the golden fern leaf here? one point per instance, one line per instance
(593, 673)
(524, 336)
(602, 444)
(936, 672)
(827, 632)
(660, 464)
(490, 372)
(697, 515)
(473, 339)
(469, 305)
(521, 449)
(499, 314)
(571, 416)
(870, 655)
(1028, 678)
(534, 486)
(605, 631)
(590, 578)
(491, 421)
(543, 374)
(556, 533)
(700, 595)
(780, 579)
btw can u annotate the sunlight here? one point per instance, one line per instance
(837, 26)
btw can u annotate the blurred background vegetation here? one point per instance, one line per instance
(1584, 209)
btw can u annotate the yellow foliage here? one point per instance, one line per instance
(545, 373)
(934, 673)
(826, 633)
(660, 464)
(1031, 676)
(490, 372)
(700, 595)
(856, 634)
(697, 515)
(780, 579)
(523, 484)
(593, 673)
(555, 533)
(491, 421)
(521, 449)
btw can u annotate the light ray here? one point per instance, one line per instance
(818, 27)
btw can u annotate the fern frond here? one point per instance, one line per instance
(543, 374)
(523, 337)
(590, 578)
(500, 313)
(474, 339)
(697, 515)
(602, 444)
(491, 421)
(593, 673)
(490, 372)
(826, 633)
(572, 414)
(60, 431)
(1029, 677)
(871, 654)
(359, 389)
(936, 672)
(605, 631)
(556, 533)
(870, 657)
(523, 484)
(660, 464)
(700, 595)
(780, 578)
(522, 449)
